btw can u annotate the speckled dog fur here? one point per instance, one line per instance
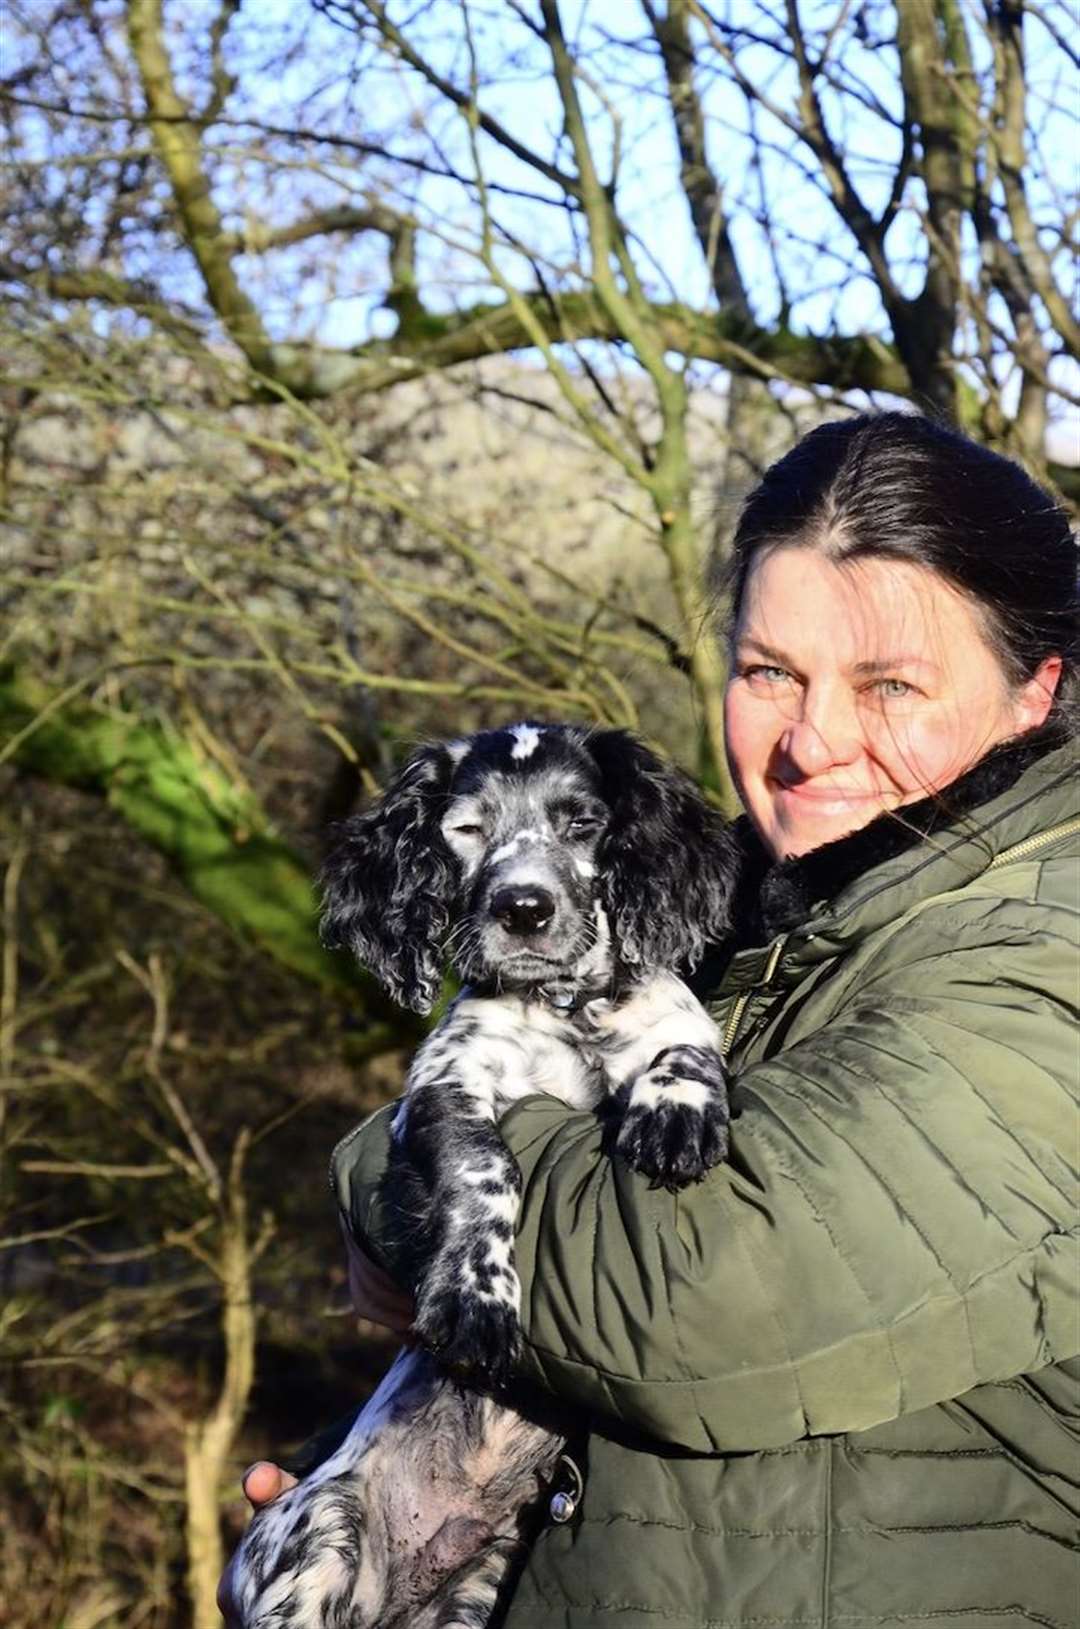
(564, 874)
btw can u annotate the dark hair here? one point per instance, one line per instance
(896, 486)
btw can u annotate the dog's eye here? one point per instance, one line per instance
(583, 826)
(467, 831)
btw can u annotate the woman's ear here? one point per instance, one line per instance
(388, 882)
(1035, 698)
(666, 860)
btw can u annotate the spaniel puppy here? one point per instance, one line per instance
(563, 874)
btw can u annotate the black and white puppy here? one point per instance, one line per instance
(563, 874)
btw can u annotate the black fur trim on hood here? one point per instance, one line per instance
(774, 898)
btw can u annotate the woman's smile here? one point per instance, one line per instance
(826, 798)
(810, 814)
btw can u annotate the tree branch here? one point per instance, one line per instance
(176, 137)
(1006, 26)
(258, 238)
(702, 189)
(222, 82)
(845, 196)
(94, 283)
(460, 99)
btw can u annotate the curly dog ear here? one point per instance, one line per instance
(666, 861)
(388, 882)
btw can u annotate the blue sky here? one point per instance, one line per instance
(297, 67)
(828, 288)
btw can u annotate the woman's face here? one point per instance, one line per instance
(858, 688)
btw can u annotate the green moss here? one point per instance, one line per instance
(216, 837)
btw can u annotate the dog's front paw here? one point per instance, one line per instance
(675, 1116)
(470, 1329)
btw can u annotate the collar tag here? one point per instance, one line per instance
(564, 1503)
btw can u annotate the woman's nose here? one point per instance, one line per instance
(826, 733)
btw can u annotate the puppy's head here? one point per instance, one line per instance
(528, 856)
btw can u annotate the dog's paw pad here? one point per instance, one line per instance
(474, 1334)
(675, 1118)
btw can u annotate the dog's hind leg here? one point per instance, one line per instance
(468, 1599)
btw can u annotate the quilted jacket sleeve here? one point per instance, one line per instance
(897, 1222)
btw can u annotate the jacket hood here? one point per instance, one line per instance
(834, 896)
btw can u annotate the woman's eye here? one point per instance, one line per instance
(894, 689)
(765, 673)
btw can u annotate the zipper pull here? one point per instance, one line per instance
(731, 1029)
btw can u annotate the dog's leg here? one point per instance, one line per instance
(674, 1117)
(422, 1507)
(661, 1052)
(467, 1291)
(468, 1294)
(509, 1462)
(321, 1552)
(468, 1599)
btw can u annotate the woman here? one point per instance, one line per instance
(838, 1381)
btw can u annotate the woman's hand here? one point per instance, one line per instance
(262, 1482)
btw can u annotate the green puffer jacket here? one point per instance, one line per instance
(837, 1383)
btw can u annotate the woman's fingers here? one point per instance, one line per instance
(264, 1480)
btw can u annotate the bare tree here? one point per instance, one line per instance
(129, 1217)
(870, 206)
(915, 124)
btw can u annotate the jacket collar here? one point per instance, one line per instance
(839, 892)
(793, 890)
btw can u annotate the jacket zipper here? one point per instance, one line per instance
(731, 1028)
(1029, 846)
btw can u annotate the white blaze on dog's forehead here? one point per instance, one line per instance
(526, 740)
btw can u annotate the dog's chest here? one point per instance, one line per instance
(499, 1049)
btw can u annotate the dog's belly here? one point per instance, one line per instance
(429, 1476)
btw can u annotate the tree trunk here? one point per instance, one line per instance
(208, 1443)
(205, 1556)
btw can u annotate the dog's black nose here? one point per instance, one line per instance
(523, 910)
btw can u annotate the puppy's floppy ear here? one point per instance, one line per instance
(666, 861)
(389, 880)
